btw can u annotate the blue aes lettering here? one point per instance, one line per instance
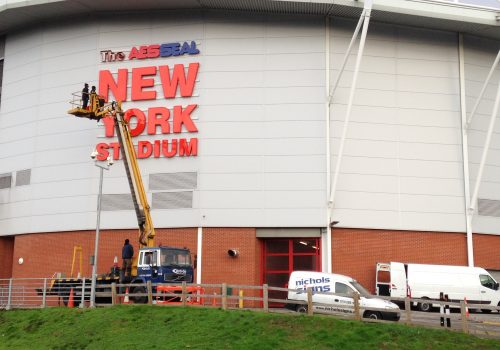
(175, 49)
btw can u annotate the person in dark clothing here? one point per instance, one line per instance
(127, 254)
(85, 96)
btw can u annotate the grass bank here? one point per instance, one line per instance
(145, 327)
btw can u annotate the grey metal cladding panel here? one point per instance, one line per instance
(112, 202)
(488, 207)
(5, 181)
(23, 177)
(173, 181)
(287, 232)
(172, 200)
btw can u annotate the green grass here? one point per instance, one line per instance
(146, 327)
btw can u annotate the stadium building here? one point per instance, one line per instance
(253, 135)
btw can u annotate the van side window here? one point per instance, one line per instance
(487, 281)
(342, 288)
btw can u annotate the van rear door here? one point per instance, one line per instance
(398, 280)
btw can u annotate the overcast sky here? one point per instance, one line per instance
(487, 3)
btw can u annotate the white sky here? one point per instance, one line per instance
(486, 3)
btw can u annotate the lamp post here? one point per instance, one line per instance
(102, 166)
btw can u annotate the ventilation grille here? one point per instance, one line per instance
(488, 207)
(112, 202)
(172, 200)
(173, 181)
(23, 177)
(5, 181)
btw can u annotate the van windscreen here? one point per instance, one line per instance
(362, 290)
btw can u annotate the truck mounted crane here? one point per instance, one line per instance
(156, 264)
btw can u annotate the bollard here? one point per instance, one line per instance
(441, 309)
(447, 311)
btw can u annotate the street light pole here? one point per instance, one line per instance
(102, 167)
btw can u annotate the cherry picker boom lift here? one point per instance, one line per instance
(156, 264)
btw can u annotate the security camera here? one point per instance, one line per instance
(94, 154)
(110, 161)
(233, 253)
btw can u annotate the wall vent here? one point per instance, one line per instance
(173, 181)
(5, 181)
(113, 202)
(172, 200)
(23, 177)
(488, 207)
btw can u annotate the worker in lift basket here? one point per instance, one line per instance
(85, 96)
(127, 254)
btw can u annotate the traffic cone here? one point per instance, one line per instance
(126, 299)
(466, 308)
(71, 302)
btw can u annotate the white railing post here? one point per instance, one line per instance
(44, 295)
(9, 296)
(82, 302)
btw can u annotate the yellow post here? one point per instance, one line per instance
(76, 249)
(241, 298)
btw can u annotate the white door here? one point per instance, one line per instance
(398, 280)
(344, 303)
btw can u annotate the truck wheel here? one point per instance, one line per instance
(139, 299)
(302, 309)
(374, 315)
(425, 307)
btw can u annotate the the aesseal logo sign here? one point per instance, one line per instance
(152, 83)
(152, 51)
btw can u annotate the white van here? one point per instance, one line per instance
(332, 283)
(422, 281)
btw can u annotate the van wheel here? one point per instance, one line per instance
(374, 315)
(425, 307)
(302, 309)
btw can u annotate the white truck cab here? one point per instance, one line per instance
(339, 284)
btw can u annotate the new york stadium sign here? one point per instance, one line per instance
(177, 81)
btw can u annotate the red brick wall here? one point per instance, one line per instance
(356, 251)
(46, 253)
(486, 251)
(219, 267)
(6, 256)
